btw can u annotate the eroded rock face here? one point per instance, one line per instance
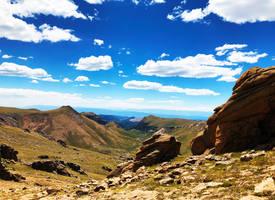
(158, 148)
(246, 120)
(8, 152)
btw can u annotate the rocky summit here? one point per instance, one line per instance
(246, 120)
(158, 148)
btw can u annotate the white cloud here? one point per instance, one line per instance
(146, 85)
(157, 1)
(199, 66)
(128, 52)
(93, 63)
(94, 85)
(107, 83)
(222, 50)
(135, 2)
(12, 69)
(164, 55)
(23, 58)
(67, 80)
(95, 1)
(14, 28)
(26, 97)
(241, 11)
(193, 15)
(34, 81)
(82, 85)
(110, 46)
(7, 56)
(98, 42)
(55, 34)
(120, 72)
(82, 78)
(248, 57)
(273, 58)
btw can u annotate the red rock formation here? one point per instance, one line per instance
(246, 120)
(158, 148)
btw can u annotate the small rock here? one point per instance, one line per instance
(166, 180)
(251, 197)
(99, 188)
(267, 186)
(82, 192)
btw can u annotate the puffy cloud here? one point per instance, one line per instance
(128, 52)
(107, 83)
(120, 72)
(34, 81)
(248, 57)
(14, 28)
(95, 1)
(12, 69)
(14, 97)
(67, 80)
(241, 11)
(23, 58)
(82, 79)
(222, 50)
(146, 85)
(7, 56)
(164, 55)
(193, 15)
(93, 63)
(94, 85)
(199, 66)
(55, 34)
(157, 1)
(98, 42)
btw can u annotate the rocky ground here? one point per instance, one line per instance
(247, 176)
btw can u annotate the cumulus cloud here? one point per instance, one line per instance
(12, 69)
(248, 57)
(98, 42)
(15, 97)
(13, 27)
(222, 50)
(107, 83)
(34, 81)
(94, 85)
(241, 11)
(67, 80)
(199, 66)
(146, 85)
(7, 56)
(95, 1)
(82, 79)
(164, 55)
(23, 58)
(93, 63)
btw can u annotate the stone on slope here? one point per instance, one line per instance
(157, 149)
(8, 152)
(246, 120)
(51, 166)
(267, 186)
(8, 176)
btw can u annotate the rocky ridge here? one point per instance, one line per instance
(246, 120)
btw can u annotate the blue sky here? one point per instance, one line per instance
(182, 56)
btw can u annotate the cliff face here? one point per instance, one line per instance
(246, 120)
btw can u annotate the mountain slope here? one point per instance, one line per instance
(69, 126)
(184, 130)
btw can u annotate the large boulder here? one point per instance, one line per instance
(51, 166)
(246, 120)
(8, 152)
(8, 176)
(157, 149)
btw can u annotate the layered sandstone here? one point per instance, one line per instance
(246, 120)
